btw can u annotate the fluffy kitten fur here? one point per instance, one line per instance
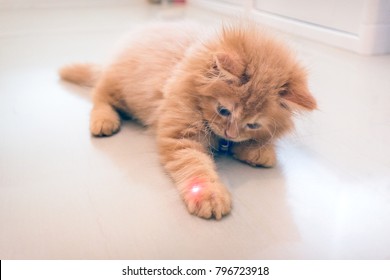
(239, 84)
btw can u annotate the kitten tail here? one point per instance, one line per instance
(83, 74)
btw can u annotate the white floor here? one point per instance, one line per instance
(67, 195)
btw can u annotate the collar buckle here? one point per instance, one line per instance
(224, 145)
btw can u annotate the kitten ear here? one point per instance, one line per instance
(228, 63)
(299, 95)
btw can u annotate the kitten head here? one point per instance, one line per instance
(250, 85)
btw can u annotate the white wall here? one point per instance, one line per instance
(362, 26)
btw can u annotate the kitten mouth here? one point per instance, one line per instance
(236, 140)
(228, 138)
(232, 139)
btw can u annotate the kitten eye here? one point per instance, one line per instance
(244, 78)
(283, 90)
(253, 125)
(223, 111)
(283, 93)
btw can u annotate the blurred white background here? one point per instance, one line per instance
(362, 26)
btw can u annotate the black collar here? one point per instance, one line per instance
(224, 145)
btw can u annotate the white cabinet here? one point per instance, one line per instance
(362, 26)
(343, 15)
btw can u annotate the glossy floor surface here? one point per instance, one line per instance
(67, 195)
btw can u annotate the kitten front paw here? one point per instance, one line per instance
(264, 156)
(207, 200)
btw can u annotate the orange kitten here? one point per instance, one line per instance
(235, 91)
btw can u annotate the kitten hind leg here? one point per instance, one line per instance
(105, 120)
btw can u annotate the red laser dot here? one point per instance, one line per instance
(195, 189)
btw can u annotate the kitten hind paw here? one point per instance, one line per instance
(105, 121)
(104, 127)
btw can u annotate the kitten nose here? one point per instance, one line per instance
(230, 136)
(231, 132)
